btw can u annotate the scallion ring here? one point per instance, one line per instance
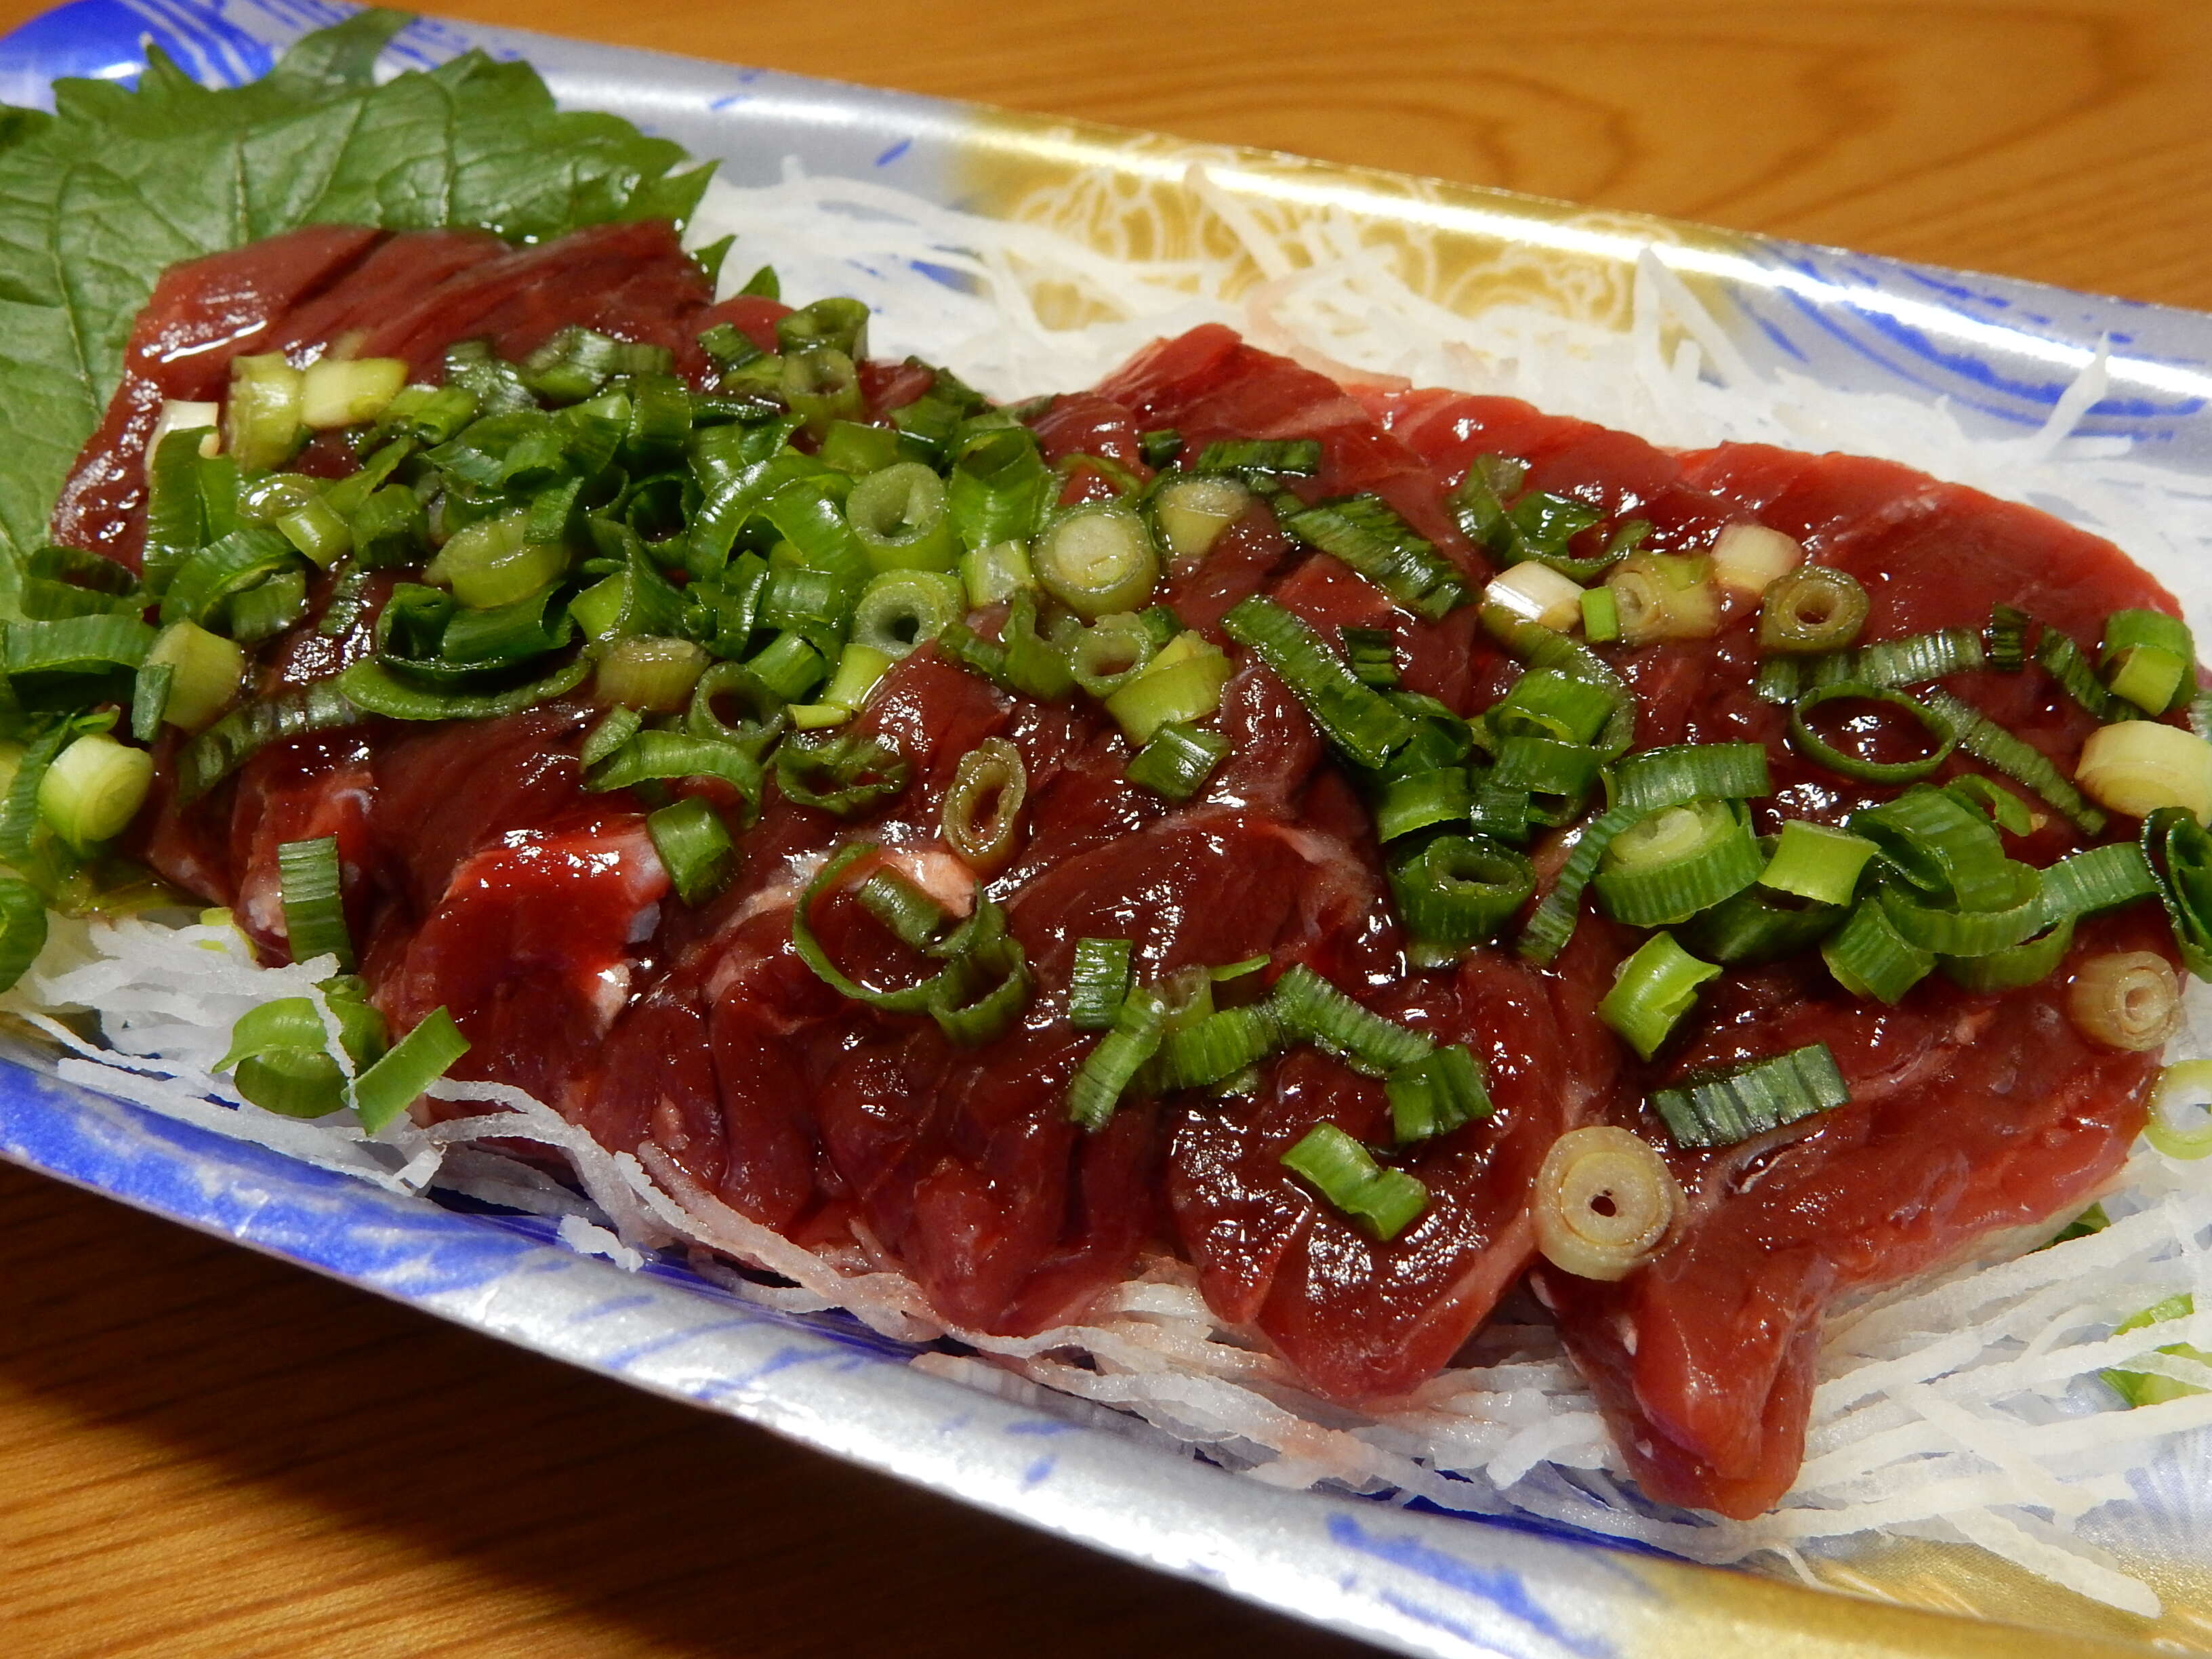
(1602, 1202)
(1818, 749)
(982, 809)
(2125, 999)
(1814, 608)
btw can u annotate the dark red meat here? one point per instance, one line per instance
(483, 877)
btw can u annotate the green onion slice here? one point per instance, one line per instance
(1355, 718)
(228, 744)
(1341, 1170)
(1310, 1008)
(1686, 771)
(411, 1065)
(1454, 892)
(1367, 534)
(694, 847)
(1219, 1047)
(1722, 1107)
(2017, 759)
(1814, 608)
(1094, 1092)
(1818, 749)
(1816, 862)
(1280, 457)
(1870, 958)
(1101, 982)
(1651, 992)
(1672, 863)
(841, 774)
(1177, 761)
(314, 900)
(1436, 1094)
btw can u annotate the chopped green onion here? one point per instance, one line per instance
(1553, 923)
(2178, 851)
(149, 696)
(1372, 653)
(1217, 1049)
(1816, 862)
(1756, 926)
(22, 928)
(337, 392)
(1946, 848)
(1311, 1008)
(1183, 683)
(1665, 596)
(1191, 512)
(2007, 811)
(840, 774)
(2071, 669)
(1159, 447)
(1096, 559)
(2029, 962)
(1100, 984)
(1688, 771)
(1113, 1063)
(1550, 703)
(1281, 457)
(1354, 717)
(899, 514)
(208, 577)
(618, 728)
(1724, 1107)
(1814, 608)
(1454, 891)
(206, 672)
(694, 847)
(652, 756)
(373, 689)
(2139, 766)
(1651, 992)
(982, 809)
(2018, 759)
(261, 415)
(1870, 958)
(1177, 761)
(1342, 1170)
(2008, 638)
(1820, 751)
(1600, 615)
(93, 790)
(646, 672)
(411, 1065)
(1368, 535)
(2150, 658)
(235, 738)
(994, 574)
(902, 609)
(1672, 863)
(1436, 1094)
(838, 323)
(314, 900)
(269, 607)
(1421, 800)
(911, 917)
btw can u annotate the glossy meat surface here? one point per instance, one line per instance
(482, 877)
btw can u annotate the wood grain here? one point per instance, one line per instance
(203, 1453)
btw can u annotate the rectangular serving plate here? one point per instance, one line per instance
(2001, 353)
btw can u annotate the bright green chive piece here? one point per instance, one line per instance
(308, 878)
(1724, 1107)
(1870, 958)
(1113, 1063)
(1282, 457)
(411, 1065)
(1816, 862)
(1355, 718)
(1101, 982)
(899, 515)
(1435, 1096)
(1341, 1170)
(1676, 861)
(1688, 771)
(1368, 535)
(2150, 658)
(1454, 891)
(1421, 800)
(1178, 761)
(372, 688)
(1219, 1047)
(22, 928)
(694, 847)
(1600, 616)
(1372, 655)
(1312, 1009)
(911, 916)
(1946, 848)
(1816, 748)
(1551, 702)
(840, 774)
(1552, 922)
(2016, 757)
(1181, 684)
(2007, 811)
(1653, 990)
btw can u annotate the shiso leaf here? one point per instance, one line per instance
(118, 183)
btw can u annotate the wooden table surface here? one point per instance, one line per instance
(206, 1456)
